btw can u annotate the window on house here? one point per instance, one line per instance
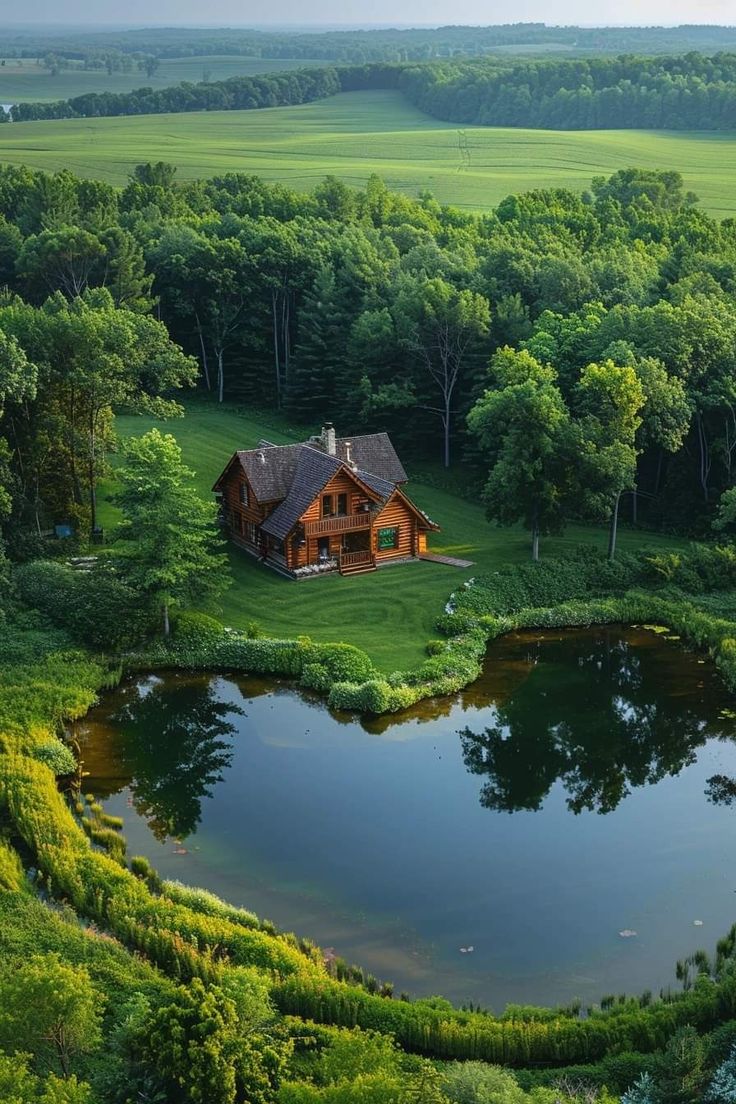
(326, 505)
(342, 505)
(388, 538)
(244, 497)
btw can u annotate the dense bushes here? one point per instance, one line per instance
(435, 1028)
(583, 589)
(93, 605)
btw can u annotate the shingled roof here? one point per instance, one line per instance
(270, 470)
(374, 453)
(293, 475)
(314, 469)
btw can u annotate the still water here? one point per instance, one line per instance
(490, 847)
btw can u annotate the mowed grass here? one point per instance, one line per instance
(358, 133)
(391, 613)
(24, 80)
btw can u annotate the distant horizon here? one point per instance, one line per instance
(375, 14)
(333, 25)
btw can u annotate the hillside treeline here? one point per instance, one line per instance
(673, 93)
(236, 93)
(360, 306)
(693, 92)
(360, 46)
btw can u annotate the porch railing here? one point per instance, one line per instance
(340, 524)
(353, 559)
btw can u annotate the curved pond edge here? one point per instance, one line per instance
(186, 939)
(346, 678)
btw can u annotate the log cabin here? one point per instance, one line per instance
(329, 504)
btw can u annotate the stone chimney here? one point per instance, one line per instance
(329, 443)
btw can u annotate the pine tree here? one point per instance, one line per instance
(321, 362)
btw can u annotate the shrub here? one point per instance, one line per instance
(56, 755)
(94, 605)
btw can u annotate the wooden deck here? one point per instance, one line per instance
(451, 561)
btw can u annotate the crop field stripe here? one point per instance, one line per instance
(355, 134)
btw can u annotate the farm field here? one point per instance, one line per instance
(24, 80)
(390, 614)
(358, 133)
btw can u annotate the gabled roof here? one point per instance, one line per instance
(314, 470)
(374, 453)
(269, 469)
(382, 487)
(293, 475)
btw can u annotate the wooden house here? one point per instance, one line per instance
(327, 504)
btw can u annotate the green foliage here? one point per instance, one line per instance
(478, 1083)
(95, 606)
(50, 1009)
(200, 1054)
(167, 548)
(56, 755)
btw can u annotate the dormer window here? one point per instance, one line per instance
(244, 496)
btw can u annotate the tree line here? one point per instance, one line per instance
(596, 332)
(691, 92)
(233, 94)
(361, 46)
(675, 93)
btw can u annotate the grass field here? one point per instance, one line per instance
(24, 80)
(358, 133)
(392, 613)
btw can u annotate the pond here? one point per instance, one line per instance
(492, 847)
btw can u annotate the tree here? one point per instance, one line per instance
(318, 378)
(608, 399)
(155, 175)
(522, 428)
(167, 546)
(50, 1008)
(722, 1088)
(63, 259)
(440, 325)
(479, 1083)
(725, 519)
(202, 1053)
(679, 1072)
(643, 1091)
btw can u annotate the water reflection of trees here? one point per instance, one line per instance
(613, 718)
(174, 745)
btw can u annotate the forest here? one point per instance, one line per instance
(692, 92)
(361, 306)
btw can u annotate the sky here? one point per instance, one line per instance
(417, 12)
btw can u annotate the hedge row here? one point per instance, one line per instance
(443, 1032)
(551, 594)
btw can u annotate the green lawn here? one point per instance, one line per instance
(358, 133)
(391, 613)
(23, 80)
